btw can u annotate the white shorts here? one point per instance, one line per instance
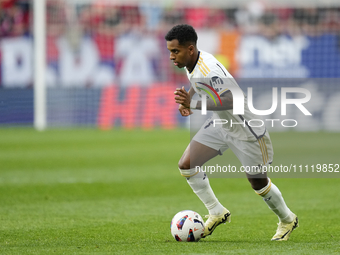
(250, 153)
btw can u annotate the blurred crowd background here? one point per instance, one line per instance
(124, 44)
(113, 46)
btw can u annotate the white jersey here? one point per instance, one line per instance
(210, 73)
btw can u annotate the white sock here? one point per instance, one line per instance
(199, 183)
(273, 198)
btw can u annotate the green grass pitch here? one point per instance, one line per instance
(88, 191)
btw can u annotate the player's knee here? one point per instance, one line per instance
(183, 164)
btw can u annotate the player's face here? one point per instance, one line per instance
(180, 55)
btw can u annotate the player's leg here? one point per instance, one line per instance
(195, 155)
(199, 153)
(259, 181)
(272, 196)
(264, 187)
(253, 156)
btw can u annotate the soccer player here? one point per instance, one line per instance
(251, 145)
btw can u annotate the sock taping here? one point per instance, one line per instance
(188, 172)
(264, 191)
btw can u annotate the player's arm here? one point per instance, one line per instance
(183, 98)
(226, 99)
(191, 92)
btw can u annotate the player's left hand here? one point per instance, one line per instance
(184, 111)
(182, 97)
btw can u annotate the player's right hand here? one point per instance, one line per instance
(182, 97)
(184, 111)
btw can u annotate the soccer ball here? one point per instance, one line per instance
(187, 226)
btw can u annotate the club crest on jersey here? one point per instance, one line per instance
(209, 90)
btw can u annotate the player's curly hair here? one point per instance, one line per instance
(183, 33)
